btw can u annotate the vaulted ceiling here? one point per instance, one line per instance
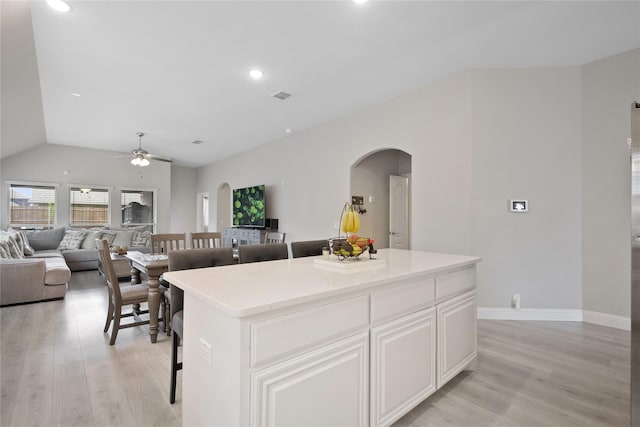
(179, 70)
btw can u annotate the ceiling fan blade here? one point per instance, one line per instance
(159, 158)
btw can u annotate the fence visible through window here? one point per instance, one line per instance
(32, 205)
(89, 206)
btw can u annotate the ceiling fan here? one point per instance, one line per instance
(141, 157)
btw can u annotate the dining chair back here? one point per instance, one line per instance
(258, 253)
(274, 237)
(162, 244)
(119, 296)
(206, 240)
(185, 260)
(308, 248)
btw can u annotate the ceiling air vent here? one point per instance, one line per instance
(281, 95)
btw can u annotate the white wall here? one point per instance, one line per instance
(307, 174)
(48, 162)
(526, 144)
(476, 140)
(608, 88)
(183, 200)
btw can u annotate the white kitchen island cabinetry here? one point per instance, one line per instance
(293, 342)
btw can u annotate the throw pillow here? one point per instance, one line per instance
(122, 238)
(22, 241)
(89, 241)
(4, 250)
(108, 235)
(12, 246)
(141, 238)
(72, 239)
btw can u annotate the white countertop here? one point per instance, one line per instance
(247, 289)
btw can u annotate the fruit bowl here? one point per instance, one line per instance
(350, 247)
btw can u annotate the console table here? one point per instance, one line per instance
(296, 342)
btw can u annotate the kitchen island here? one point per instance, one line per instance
(306, 342)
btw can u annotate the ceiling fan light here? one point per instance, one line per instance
(135, 161)
(144, 162)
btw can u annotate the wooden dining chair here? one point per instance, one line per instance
(119, 296)
(258, 253)
(308, 248)
(162, 244)
(185, 260)
(206, 240)
(274, 237)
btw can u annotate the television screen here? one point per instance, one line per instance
(248, 207)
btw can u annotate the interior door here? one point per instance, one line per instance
(398, 212)
(202, 219)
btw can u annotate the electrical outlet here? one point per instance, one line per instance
(205, 351)
(515, 301)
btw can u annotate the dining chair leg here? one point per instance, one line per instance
(117, 314)
(167, 317)
(109, 315)
(175, 342)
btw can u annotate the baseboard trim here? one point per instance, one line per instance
(557, 315)
(604, 319)
(552, 314)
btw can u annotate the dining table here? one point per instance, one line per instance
(153, 266)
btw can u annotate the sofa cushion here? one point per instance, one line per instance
(42, 240)
(47, 254)
(80, 255)
(57, 272)
(72, 239)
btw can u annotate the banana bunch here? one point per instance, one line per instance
(350, 220)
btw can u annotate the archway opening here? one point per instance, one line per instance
(383, 180)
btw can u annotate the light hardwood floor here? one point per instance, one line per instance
(57, 368)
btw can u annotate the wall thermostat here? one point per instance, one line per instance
(519, 205)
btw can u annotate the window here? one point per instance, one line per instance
(138, 208)
(89, 206)
(32, 205)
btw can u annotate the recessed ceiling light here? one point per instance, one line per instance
(76, 94)
(359, 1)
(59, 5)
(288, 130)
(256, 74)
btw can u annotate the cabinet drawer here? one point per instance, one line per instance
(273, 337)
(455, 283)
(402, 299)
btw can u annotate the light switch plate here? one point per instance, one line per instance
(519, 205)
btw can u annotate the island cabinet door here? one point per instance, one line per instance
(328, 387)
(403, 365)
(457, 335)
